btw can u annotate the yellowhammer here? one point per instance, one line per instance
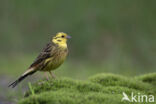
(51, 57)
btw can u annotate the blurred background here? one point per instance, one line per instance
(108, 36)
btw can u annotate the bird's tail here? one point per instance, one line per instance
(22, 77)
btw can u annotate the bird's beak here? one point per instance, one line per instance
(68, 37)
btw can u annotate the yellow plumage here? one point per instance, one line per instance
(51, 57)
(55, 61)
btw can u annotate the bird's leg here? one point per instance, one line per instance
(46, 76)
(52, 74)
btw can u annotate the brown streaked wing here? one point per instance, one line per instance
(46, 53)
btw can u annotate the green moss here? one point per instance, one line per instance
(148, 78)
(118, 80)
(99, 89)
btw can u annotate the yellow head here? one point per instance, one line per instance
(61, 39)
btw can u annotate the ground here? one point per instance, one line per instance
(98, 89)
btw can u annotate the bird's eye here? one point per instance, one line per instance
(62, 36)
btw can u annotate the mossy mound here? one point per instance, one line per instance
(148, 78)
(99, 89)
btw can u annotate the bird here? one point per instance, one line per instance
(49, 59)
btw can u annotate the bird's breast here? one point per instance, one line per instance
(56, 60)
